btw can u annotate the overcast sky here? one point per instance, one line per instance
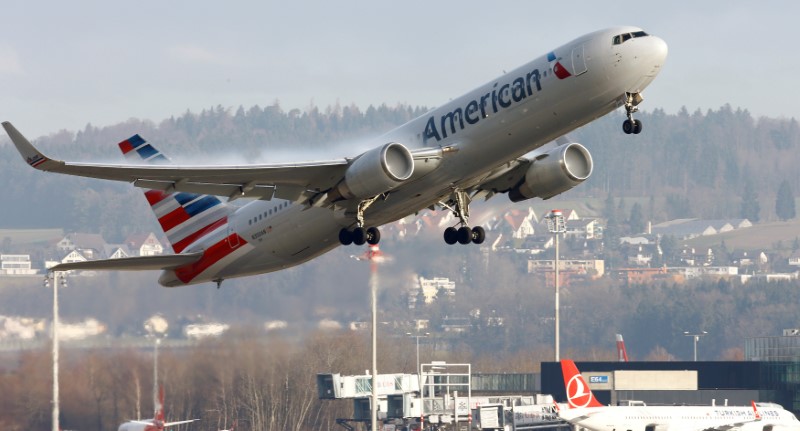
(66, 64)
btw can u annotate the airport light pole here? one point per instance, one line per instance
(417, 336)
(696, 338)
(556, 225)
(374, 255)
(56, 285)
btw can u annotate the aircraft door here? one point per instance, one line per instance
(232, 236)
(578, 61)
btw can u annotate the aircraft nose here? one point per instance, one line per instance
(658, 49)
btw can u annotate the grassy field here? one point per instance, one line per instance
(30, 236)
(762, 236)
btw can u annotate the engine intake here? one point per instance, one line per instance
(561, 169)
(377, 171)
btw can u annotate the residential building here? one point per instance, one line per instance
(16, 264)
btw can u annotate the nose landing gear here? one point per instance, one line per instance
(632, 105)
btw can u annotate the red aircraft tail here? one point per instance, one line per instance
(578, 392)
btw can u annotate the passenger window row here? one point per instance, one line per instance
(280, 206)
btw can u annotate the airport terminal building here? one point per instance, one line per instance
(734, 382)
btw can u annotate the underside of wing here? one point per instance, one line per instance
(137, 263)
(366, 175)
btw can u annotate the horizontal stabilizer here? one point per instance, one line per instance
(137, 263)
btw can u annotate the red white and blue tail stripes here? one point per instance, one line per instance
(189, 218)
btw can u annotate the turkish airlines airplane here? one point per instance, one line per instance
(155, 424)
(585, 412)
(507, 136)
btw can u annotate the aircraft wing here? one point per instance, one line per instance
(168, 261)
(285, 180)
(169, 424)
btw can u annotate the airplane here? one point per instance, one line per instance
(155, 424)
(586, 413)
(622, 354)
(507, 136)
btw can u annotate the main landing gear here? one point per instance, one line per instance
(459, 205)
(361, 235)
(632, 105)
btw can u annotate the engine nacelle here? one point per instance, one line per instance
(377, 171)
(562, 169)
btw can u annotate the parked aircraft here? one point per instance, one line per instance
(586, 413)
(472, 147)
(155, 424)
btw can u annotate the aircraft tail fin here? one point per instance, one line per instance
(184, 217)
(578, 392)
(159, 413)
(622, 354)
(756, 413)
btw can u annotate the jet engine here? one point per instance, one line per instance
(377, 171)
(555, 172)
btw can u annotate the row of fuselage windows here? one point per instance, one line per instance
(669, 417)
(282, 205)
(624, 37)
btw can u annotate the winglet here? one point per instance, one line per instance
(755, 410)
(28, 152)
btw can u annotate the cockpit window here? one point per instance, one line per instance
(624, 37)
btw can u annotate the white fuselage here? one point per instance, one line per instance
(684, 418)
(487, 127)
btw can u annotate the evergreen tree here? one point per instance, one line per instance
(750, 206)
(784, 202)
(636, 221)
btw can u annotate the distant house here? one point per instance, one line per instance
(744, 258)
(117, 251)
(144, 244)
(583, 229)
(90, 245)
(794, 259)
(519, 222)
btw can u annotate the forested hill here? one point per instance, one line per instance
(696, 164)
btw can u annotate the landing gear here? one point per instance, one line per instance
(630, 125)
(360, 236)
(459, 205)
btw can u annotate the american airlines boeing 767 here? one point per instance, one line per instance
(507, 136)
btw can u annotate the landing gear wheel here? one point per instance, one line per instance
(359, 236)
(478, 235)
(451, 235)
(627, 127)
(373, 235)
(464, 235)
(345, 237)
(637, 127)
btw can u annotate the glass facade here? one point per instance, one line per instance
(783, 349)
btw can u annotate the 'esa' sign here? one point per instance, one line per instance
(598, 379)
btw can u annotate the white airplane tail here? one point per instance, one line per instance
(184, 217)
(578, 392)
(622, 354)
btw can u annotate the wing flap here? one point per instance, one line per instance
(136, 263)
